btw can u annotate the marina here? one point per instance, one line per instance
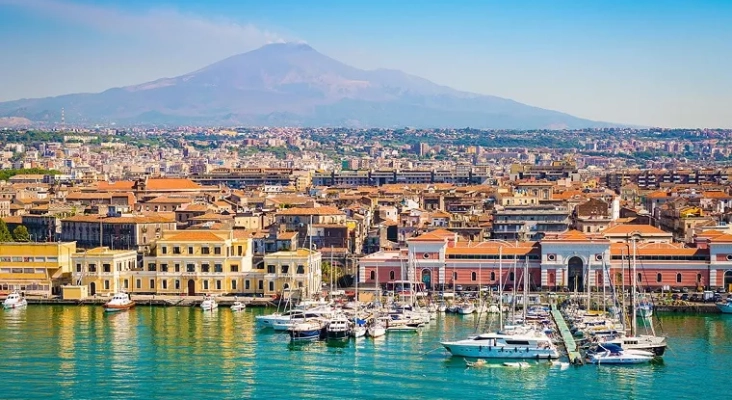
(174, 351)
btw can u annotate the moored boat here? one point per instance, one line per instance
(536, 345)
(306, 331)
(119, 302)
(238, 306)
(608, 353)
(15, 300)
(338, 327)
(209, 303)
(725, 306)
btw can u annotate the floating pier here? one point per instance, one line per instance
(572, 349)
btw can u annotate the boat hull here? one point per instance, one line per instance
(725, 308)
(116, 308)
(376, 332)
(305, 335)
(499, 352)
(14, 306)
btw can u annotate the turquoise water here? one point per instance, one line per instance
(78, 352)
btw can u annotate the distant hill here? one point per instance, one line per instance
(292, 85)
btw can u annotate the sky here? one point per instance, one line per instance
(664, 63)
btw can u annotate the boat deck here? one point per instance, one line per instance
(572, 349)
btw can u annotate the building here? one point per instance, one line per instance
(289, 270)
(35, 268)
(133, 232)
(529, 222)
(196, 262)
(104, 271)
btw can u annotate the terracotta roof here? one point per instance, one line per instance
(136, 219)
(210, 217)
(171, 184)
(13, 219)
(630, 229)
(88, 196)
(286, 235)
(656, 249)
(310, 211)
(118, 185)
(438, 235)
(168, 200)
(494, 248)
(194, 208)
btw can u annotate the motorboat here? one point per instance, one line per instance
(15, 300)
(654, 344)
(519, 364)
(285, 320)
(119, 302)
(209, 303)
(306, 331)
(524, 345)
(442, 307)
(238, 306)
(338, 327)
(607, 353)
(725, 306)
(359, 328)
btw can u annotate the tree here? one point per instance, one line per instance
(5, 235)
(20, 234)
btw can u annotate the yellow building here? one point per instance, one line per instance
(285, 270)
(104, 271)
(34, 268)
(194, 262)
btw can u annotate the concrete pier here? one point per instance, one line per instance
(572, 349)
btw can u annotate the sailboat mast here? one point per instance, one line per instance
(589, 271)
(526, 286)
(633, 322)
(500, 287)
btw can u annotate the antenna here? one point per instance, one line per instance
(63, 117)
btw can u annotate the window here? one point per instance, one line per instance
(177, 284)
(163, 267)
(639, 277)
(473, 276)
(138, 283)
(239, 250)
(152, 284)
(284, 269)
(177, 267)
(246, 284)
(164, 250)
(659, 277)
(372, 275)
(205, 268)
(493, 276)
(190, 249)
(205, 285)
(92, 268)
(217, 250)
(126, 284)
(510, 277)
(190, 267)
(176, 250)
(233, 285)
(271, 286)
(106, 284)
(454, 276)
(106, 268)
(678, 278)
(391, 275)
(218, 267)
(218, 284)
(205, 250)
(270, 269)
(151, 266)
(698, 278)
(261, 285)
(78, 267)
(300, 269)
(165, 284)
(234, 268)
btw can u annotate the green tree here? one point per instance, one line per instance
(5, 235)
(20, 234)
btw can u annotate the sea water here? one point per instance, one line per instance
(80, 352)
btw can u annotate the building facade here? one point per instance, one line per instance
(35, 268)
(104, 271)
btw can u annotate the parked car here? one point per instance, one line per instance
(685, 297)
(675, 296)
(695, 297)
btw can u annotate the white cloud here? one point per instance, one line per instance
(164, 25)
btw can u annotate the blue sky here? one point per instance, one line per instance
(658, 63)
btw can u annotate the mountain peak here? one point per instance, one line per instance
(286, 46)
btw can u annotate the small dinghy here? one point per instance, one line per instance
(519, 364)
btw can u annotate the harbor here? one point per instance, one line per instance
(176, 351)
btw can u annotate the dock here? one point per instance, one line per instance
(158, 301)
(572, 349)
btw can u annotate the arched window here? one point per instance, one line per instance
(510, 277)
(659, 277)
(473, 276)
(698, 278)
(678, 278)
(454, 276)
(493, 276)
(391, 275)
(640, 278)
(372, 275)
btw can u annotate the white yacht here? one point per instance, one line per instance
(238, 306)
(649, 343)
(466, 308)
(612, 354)
(377, 328)
(338, 327)
(209, 303)
(119, 302)
(533, 344)
(282, 321)
(15, 300)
